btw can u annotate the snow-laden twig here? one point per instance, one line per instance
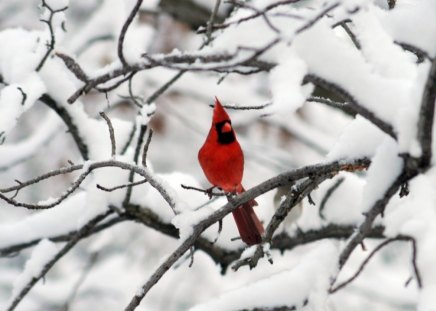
(73, 128)
(257, 13)
(411, 168)
(222, 62)
(345, 107)
(352, 105)
(70, 244)
(89, 168)
(65, 237)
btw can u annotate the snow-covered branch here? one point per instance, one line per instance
(331, 101)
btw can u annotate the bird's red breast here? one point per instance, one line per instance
(221, 156)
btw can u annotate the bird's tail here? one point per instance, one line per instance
(249, 226)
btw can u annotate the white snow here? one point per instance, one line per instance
(307, 280)
(47, 223)
(383, 77)
(14, 153)
(360, 139)
(285, 84)
(385, 167)
(41, 255)
(422, 14)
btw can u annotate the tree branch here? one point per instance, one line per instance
(426, 116)
(280, 180)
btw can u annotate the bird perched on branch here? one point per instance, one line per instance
(222, 161)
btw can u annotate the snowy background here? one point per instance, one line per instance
(306, 82)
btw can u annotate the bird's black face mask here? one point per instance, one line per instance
(227, 137)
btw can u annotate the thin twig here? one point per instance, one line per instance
(348, 109)
(205, 191)
(332, 289)
(234, 107)
(211, 20)
(328, 195)
(414, 265)
(52, 43)
(255, 15)
(146, 145)
(155, 183)
(136, 183)
(353, 103)
(111, 133)
(139, 142)
(124, 31)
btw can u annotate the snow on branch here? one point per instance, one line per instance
(132, 86)
(280, 180)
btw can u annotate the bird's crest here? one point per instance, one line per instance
(219, 114)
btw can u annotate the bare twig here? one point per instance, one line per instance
(421, 55)
(164, 87)
(414, 265)
(344, 25)
(52, 43)
(205, 191)
(146, 145)
(136, 183)
(211, 20)
(328, 195)
(124, 31)
(111, 133)
(139, 142)
(130, 139)
(23, 95)
(332, 289)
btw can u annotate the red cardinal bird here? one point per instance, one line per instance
(222, 161)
